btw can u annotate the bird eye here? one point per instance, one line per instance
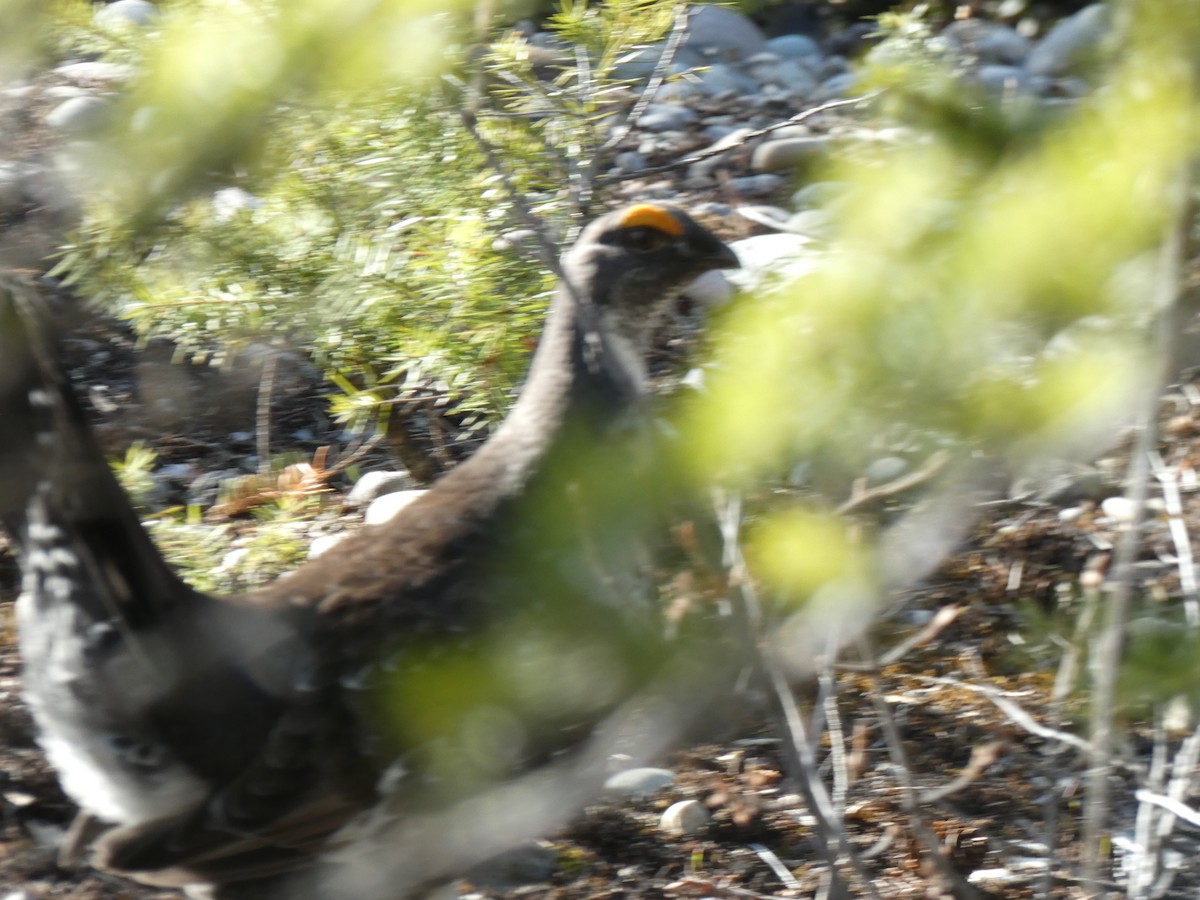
(644, 240)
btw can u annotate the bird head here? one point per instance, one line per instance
(634, 259)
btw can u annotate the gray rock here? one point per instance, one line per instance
(988, 42)
(787, 153)
(640, 782)
(719, 131)
(677, 91)
(638, 64)
(764, 60)
(688, 58)
(94, 71)
(1070, 87)
(528, 864)
(125, 13)
(373, 485)
(1002, 79)
(783, 73)
(1070, 42)
(832, 65)
(385, 508)
(710, 289)
(723, 32)
(228, 202)
(78, 115)
(324, 543)
(725, 79)
(791, 131)
(814, 223)
(12, 195)
(886, 468)
(767, 258)
(710, 164)
(65, 92)
(517, 239)
(756, 185)
(773, 217)
(629, 161)
(838, 87)
(819, 193)
(666, 117)
(713, 208)
(39, 205)
(795, 46)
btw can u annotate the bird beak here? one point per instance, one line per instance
(715, 254)
(725, 258)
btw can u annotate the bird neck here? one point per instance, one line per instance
(586, 376)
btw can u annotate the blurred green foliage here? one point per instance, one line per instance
(994, 281)
(365, 230)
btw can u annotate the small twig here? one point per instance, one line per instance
(582, 177)
(837, 737)
(1064, 679)
(983, 757)
(941, 620)
(262, 413)
(782, 872)
(548, 250)
(749, 136)
(1168, 479)
(1106, 660)
(797, 748)
(1015, 713)
(1145, 834)
(358, 453)
(661, 70)
(932, 467)
(1175, 807)
(909, 799)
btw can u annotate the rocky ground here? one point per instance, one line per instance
(974, 665)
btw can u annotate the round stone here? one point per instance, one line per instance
(124, 13)
(1069, 42)
(710, 289)
(795, 46)
(787, 153)
(723, 31)
(684, 817)
(324, 544)
(385, 508)
(78, 115)
(639, 782)
(374, 485)
(886, 468)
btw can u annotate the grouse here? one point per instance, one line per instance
(226, 743)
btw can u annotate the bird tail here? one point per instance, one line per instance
(60, 503)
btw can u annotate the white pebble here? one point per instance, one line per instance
(1119, 509)
(640, 782)
(324, 544)
(385, 508)
(684, 817)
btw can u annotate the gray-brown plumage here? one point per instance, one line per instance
(235, 739)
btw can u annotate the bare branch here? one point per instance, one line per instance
(749, 136)
(909, 799)
(1106, 659)
(935, 464)
(796, 745)
(656, 80)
